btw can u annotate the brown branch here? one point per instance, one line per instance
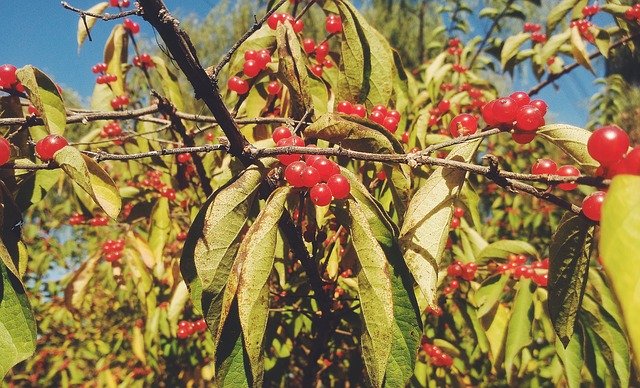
(183, 52)
(256, 26)
(105, 16)
(569, 68)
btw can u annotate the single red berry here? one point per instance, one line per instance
(592, 205)
(377, 117)
(541, 105)
(487, 114)
(458, 212)
(280, 133)
(326, 168)
(405, 138)
(274, 88)
(287, 159)
(317, 70)
(320, 194)
(321, 51)
(544, 167)
(521, 98)
(529, 118)
(360, 110)
(390, 124)
(5, 151)
(443, 106)
(310, 176)
(339, 185)
(309, 45)
(380, 108)
(468, 273)
(568, 170)
(298, 26)
(523, 137)
(200, 326)
(455, 223)
(182, 333)
(345, 107)
(251, 68)
(274, 19)
(463, 124)
(505, 109)
(608, 144)
(454, 270)
(333, 24)
(182, 236)
(394, 113)
(8, 76)
(263, 58)
(114, 3)
(48, 146)
(238, 85)
(293, 173)
(183, 158)
(381, 175)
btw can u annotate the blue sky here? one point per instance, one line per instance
(44, 34)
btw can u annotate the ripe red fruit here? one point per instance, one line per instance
(280, 133)
(182, 333)
(131, 26)
(505, 109)
(521, 98)
(544, 167)
(455, 223)
(309, 45)
(592, 205)
(251, 68)
(274, 19)
(568, 170)
(390, 124)
(339, 185)
(541, 279)
(8, 76)
(443, 106)
(263, 58)
(380, 108)
(381, 175)
(454, 270)
(360, 110)
(5, 151)
(48, 146)
(114, 3)
(487, 114)
(529, 118)
(200, 326)
(293, 173)
(183, 158)
(463, 124)
(320, 194)
(394, 113)
(608, 144)
(326, 168)
(310, 176)
(287, 159)
(182, 236)
(238, 85)
(274, 87)
(345, 107)
(523, 138)
(317, 70)
(333, 24)
(321, 51)
(458, 212)
(298, 26)
(377, 117)
(405, 138)
(541, 105)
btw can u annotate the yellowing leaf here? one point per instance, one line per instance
(115, 55)
(90, 21)
(579, 49)
(44, 95)
(76, 289)
(137, 345)
(511, 47)
(572, 140)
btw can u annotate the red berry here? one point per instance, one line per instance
(592, 205)
(505, 109)
(394, 113)
(523, 138)
(487, 114)
(251, 68)
(287, 159)
(380, 108)
(529, 118)
(274, 88)
(345, 107)
(608, 144)
(541, 105)
(309, 45)
(326, 168)
(458, 212)
(273, 20)
(48, 146)
(377, 117)
(443, 106)
(454, 270)
(200, 326)
(405, 138)
(333, 24)
(359, 110)
(263, 58)
(183, 158)
(5, 151)
(320, 194)
(298, 26)
(280, 133)
(339, 185)
(568, 170)
(114, 3)
(455, 223)
(317, 70)
(182, 333)
(182, 236)
(381, 175)
(310, 176)
(544, 167)
(463, 124)
(321, 51)
(238, 85)
(390, 124)
(293, 173)
(521, 98)
(8, 76)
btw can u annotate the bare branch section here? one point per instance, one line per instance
(182, 50)
(105, 16)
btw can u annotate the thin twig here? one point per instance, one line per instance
(105, 16)
(496, 20)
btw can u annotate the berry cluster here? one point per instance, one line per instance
(516, 111)
(518, 268)
(549, 167)
(277, 18)
(532, 27)
(183, 158)
(536, 35)
(436, 356)
(76, 219)
(316, 172)
(274, 88)
(104, 77)
(380, 114)
(112, 250)
(255, 61)
(120, 3)
(333, 24)
(238, 85)
(583, 26)
(458, 213)
(189, 328)
(633, 13)
(590, 10)
(112, 130)
(454, 47)
(120, 102)
(320, 51)
(152, 180)
(99, 221)
(9, 79)
(131, 26)
(49, 145)
(5, 151)
(143, 61)
(457, 269)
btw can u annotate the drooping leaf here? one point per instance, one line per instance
(579, 49)
(572, 358)
(568, 267)
(44, 95)
(257, 252)
(17, 324)
(500, 250)
(489, 293)
(92, 178)
(426, 225)
(619, 242)
(559, 12)
(177, 303)
(160, 228)
(84, 29)
(76, 289)
(170, 85)
(511, 47)
(115, 55)
(519, 328)
(572, 140)
(292, 70)
(137, 345)
(375, 294)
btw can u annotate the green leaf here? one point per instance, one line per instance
(619, 242)
(489, 293)
(500, 250)
(17, 324)
(90, 22)
(367, 67)
(568, 267)
(44, 95)
(603, 40)
(375, 294)
(426, 225)
(91, 177)
(76, 289)
(579, 50)
(519, 328)
(292, 70)
(35, 186)
(551, 47)
(170, 84)
(559, 12)
(572, 358)
(160, 228)
(511, 47)
(257, 253)
(262, 39)
(232, 369)
(572, 140)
